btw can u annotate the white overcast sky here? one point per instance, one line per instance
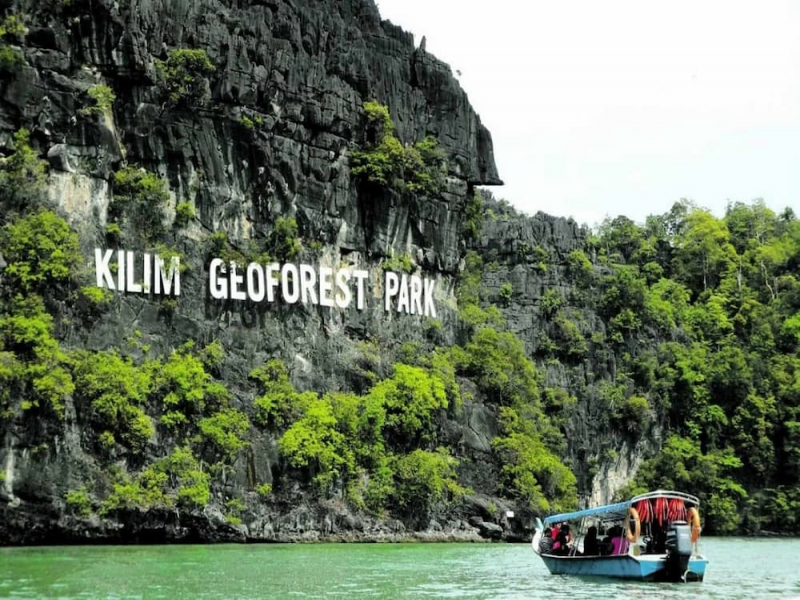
(623, 107)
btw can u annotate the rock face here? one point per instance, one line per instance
(283, 114)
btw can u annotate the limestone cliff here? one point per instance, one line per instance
(282, 113)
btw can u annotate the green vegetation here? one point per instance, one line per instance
(283, 241)
(184, 213)
(78, 502)
(386, 163)
(101, 100)
(506, 292)
(399, 262)
(474, 217)
(580, 267)
(687, 325)
(224, 430)
(250, 124)
(139, 199)
(424, 478)
(12, 29)
(183, 77)
(530, 468)
(22, 175)
(41, 251)
(701, 314)
(367, 443)
(176, 480)
(114, 390)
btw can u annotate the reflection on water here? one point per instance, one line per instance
(739, 568)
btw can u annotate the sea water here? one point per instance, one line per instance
(738, 568)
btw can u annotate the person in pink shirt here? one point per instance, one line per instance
(619, 545)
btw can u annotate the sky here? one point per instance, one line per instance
(625, 106)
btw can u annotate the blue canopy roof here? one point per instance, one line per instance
(612, 510)
(618, 511)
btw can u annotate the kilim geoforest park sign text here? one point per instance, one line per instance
(289, 283)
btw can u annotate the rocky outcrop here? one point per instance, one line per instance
(273, 138)
(284, 113)
(531, 253)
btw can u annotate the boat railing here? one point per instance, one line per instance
(665, 494)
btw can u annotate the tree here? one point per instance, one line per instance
(183, 77)
(23, 176)
(704, 253)
(42, 253)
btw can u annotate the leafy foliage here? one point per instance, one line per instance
(12, 29)
(701, 311)
(23, 174)
(423, 478)
(176, 480)
(279, 403)
(386, 163)
(224, 430)
(312, 442)
(101, 100)
(399, 262)
(37, 369)
(530, 469)
(139, 198)
(115, 391)
(183, 77)
(283, 241)
(41, 251)
(185, 388)
(78, 502)
(184, 213)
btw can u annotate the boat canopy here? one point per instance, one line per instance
(620, 509)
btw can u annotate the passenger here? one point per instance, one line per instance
(563, 540)
(605, 545)
(546, 543)
(590, 546)
(619, 542)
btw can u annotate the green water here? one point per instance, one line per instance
(739, 568)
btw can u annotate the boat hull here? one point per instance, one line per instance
(645, 568)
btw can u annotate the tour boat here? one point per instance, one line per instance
(651, 537)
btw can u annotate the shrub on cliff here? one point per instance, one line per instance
(22, 175)
(530, 469)
(41, 252)
(175, 480)
(37, 368)
(498, 362)
(183, 77)
(283, 241)
(278, 404)
(184, 213)
(411, 398)
(474, 216)
(423, 478)
(115, 391)
(78, 502)
(100, 100)
(224, 430)
(11, 30)
(580, 267)
(314, 444)
(386, 163)
(139, 197)
(185, 389)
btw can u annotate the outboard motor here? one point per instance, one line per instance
(679, 550)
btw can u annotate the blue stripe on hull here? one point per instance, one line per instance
(624, 567)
